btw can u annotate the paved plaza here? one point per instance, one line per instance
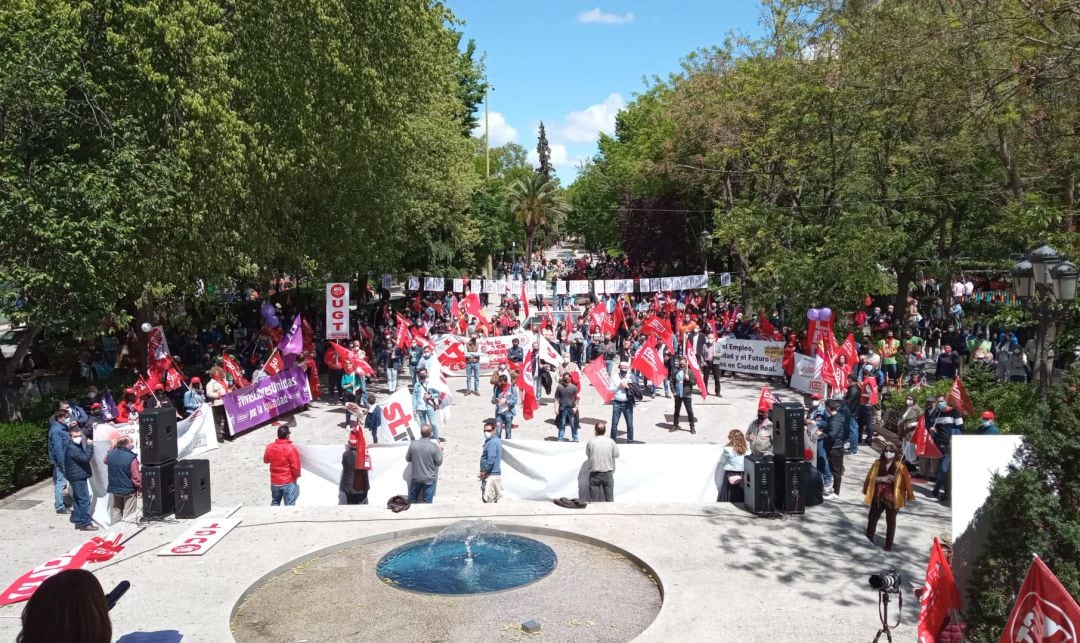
(725, 575)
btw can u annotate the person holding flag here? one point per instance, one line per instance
(505, 399)
(622, 404)
(683, 383)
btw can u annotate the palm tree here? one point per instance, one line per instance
(537, 203)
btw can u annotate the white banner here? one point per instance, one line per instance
(530, 289)
(434, 284)
(807, 375)
(459, 285)
(413, 283)
(397, 421)
(490, 286)
(387, 282)
(195, 435)
(578, 286)
(599, 286)
(450, 351)
(200, 537)
(560, 287)
(476, 286)
(750, 356)
(337, 310)
(542, 288)
(536, 470)
(725, 279)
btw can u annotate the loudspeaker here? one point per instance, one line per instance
(159, 489)
(788, 490)
(192, 488)
(758, 483)
(788, 430)
(157, 435)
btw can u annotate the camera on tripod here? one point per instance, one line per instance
(888, 582)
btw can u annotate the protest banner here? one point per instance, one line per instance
(753, 357)
(200, 537)
(337, 310)
(266, 399)
(397, 423)
(25, 586)
(807, 376)
(450, 350)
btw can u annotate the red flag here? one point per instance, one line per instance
(958, 398)
(828, 368)
(597, 317)
(939, 595)
(352, 361)
(608, 327)
(766, 400)
(695, 368)
(25, 586)
(617, 320)
(1044, 610)
(472, 305)
(600, 378)
(767, 329)
(924, 446)
(417, 306)
(455, 307)
(274, 365)
(849, 351)
(363, 458)
(551, 318)
(524, 299)
(141, 388)
(525, 378)
(648, 362)
(404, 338)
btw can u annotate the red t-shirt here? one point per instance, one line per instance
(868, 387)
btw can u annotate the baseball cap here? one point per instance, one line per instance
(988, 415)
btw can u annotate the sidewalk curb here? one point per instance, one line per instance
(25, 491)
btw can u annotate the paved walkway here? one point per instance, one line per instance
(778, 578)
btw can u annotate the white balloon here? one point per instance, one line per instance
(146, 327)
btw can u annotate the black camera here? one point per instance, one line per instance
(887, 582)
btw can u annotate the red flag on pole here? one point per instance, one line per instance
(527, 384)
(849, 351)
(1044, 610)
(524, 299)
(939, 595)
(767, 329)
(958, 398)
(766, 400)
(924, 446)
(404, 338)
(695, 368)
(648, 362)
(472, 304)
(600, 378)
(275, 364)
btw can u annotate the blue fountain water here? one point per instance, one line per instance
(469, 557)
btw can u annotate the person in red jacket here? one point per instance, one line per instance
(129, 408)
(284, 461)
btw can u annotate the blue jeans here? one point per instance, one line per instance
(504, 421)
(391, 379)
(80, 508)
(625, 409)
(853, 435)
(425, 488)
(472, 377)
(943, 476)
(823, 463)
(58, 487)
(287, 492)
(429, 417)
(566, 415)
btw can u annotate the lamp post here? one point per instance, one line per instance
(1045, 281)
(706, 247)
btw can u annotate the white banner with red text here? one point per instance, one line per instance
(337, 310)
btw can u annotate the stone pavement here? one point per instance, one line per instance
(801, 578)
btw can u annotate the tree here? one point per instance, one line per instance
(543, 153)
(472, 86)
(536, 202)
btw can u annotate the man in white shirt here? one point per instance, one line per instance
(623, 402)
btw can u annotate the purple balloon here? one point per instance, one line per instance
(267, 311)
(813, 314)
(273, 321)
(825, 314)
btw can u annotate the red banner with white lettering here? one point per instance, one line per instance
(924, 446)
(600, 378)
(958, 398)
(648, 362)
(25, 586)
(766, 399)
(939, 595)
(1044, 610)
(695, 368)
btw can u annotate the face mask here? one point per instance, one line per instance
(986, 423)
(77, 440)
(889, 455)
(941, 406)
(814, 404)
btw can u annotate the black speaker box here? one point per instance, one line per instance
(788, 430)
(788, 490)
(157, 435)
(758, 483)
(192, 488)
(159, 489)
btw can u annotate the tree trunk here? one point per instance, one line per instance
(528, 248)
(904, 275)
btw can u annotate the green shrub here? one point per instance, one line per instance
(24, 456)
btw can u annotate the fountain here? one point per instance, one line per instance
(468, 557)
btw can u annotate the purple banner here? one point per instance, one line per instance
(263, 401)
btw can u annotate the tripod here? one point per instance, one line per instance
(883, 614)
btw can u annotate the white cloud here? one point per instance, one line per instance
(596, 16)
(585, 126)
(560, 158)
(501, 132)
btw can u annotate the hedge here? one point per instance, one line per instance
(24, 456)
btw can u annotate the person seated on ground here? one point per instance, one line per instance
(69, 606)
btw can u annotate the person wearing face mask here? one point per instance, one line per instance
(947, 422)
(77, 456)
(759, 434)
(986, 424)
(909, 421)
(194, 397)
(887, 489)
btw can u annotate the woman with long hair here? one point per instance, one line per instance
(887, 489)
(731, 465)
(69, 606)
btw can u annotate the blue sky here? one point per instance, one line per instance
(573, 65)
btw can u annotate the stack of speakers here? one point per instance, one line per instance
(169, 486)
(789, 458)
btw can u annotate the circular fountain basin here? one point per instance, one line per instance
(490, 562)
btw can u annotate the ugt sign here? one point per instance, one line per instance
(202, 536)
(337, 311)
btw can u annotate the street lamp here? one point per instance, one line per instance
(1046, 282)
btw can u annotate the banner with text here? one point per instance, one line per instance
(751, 356)
(807, 376)
(337, 310)
(266, 399)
